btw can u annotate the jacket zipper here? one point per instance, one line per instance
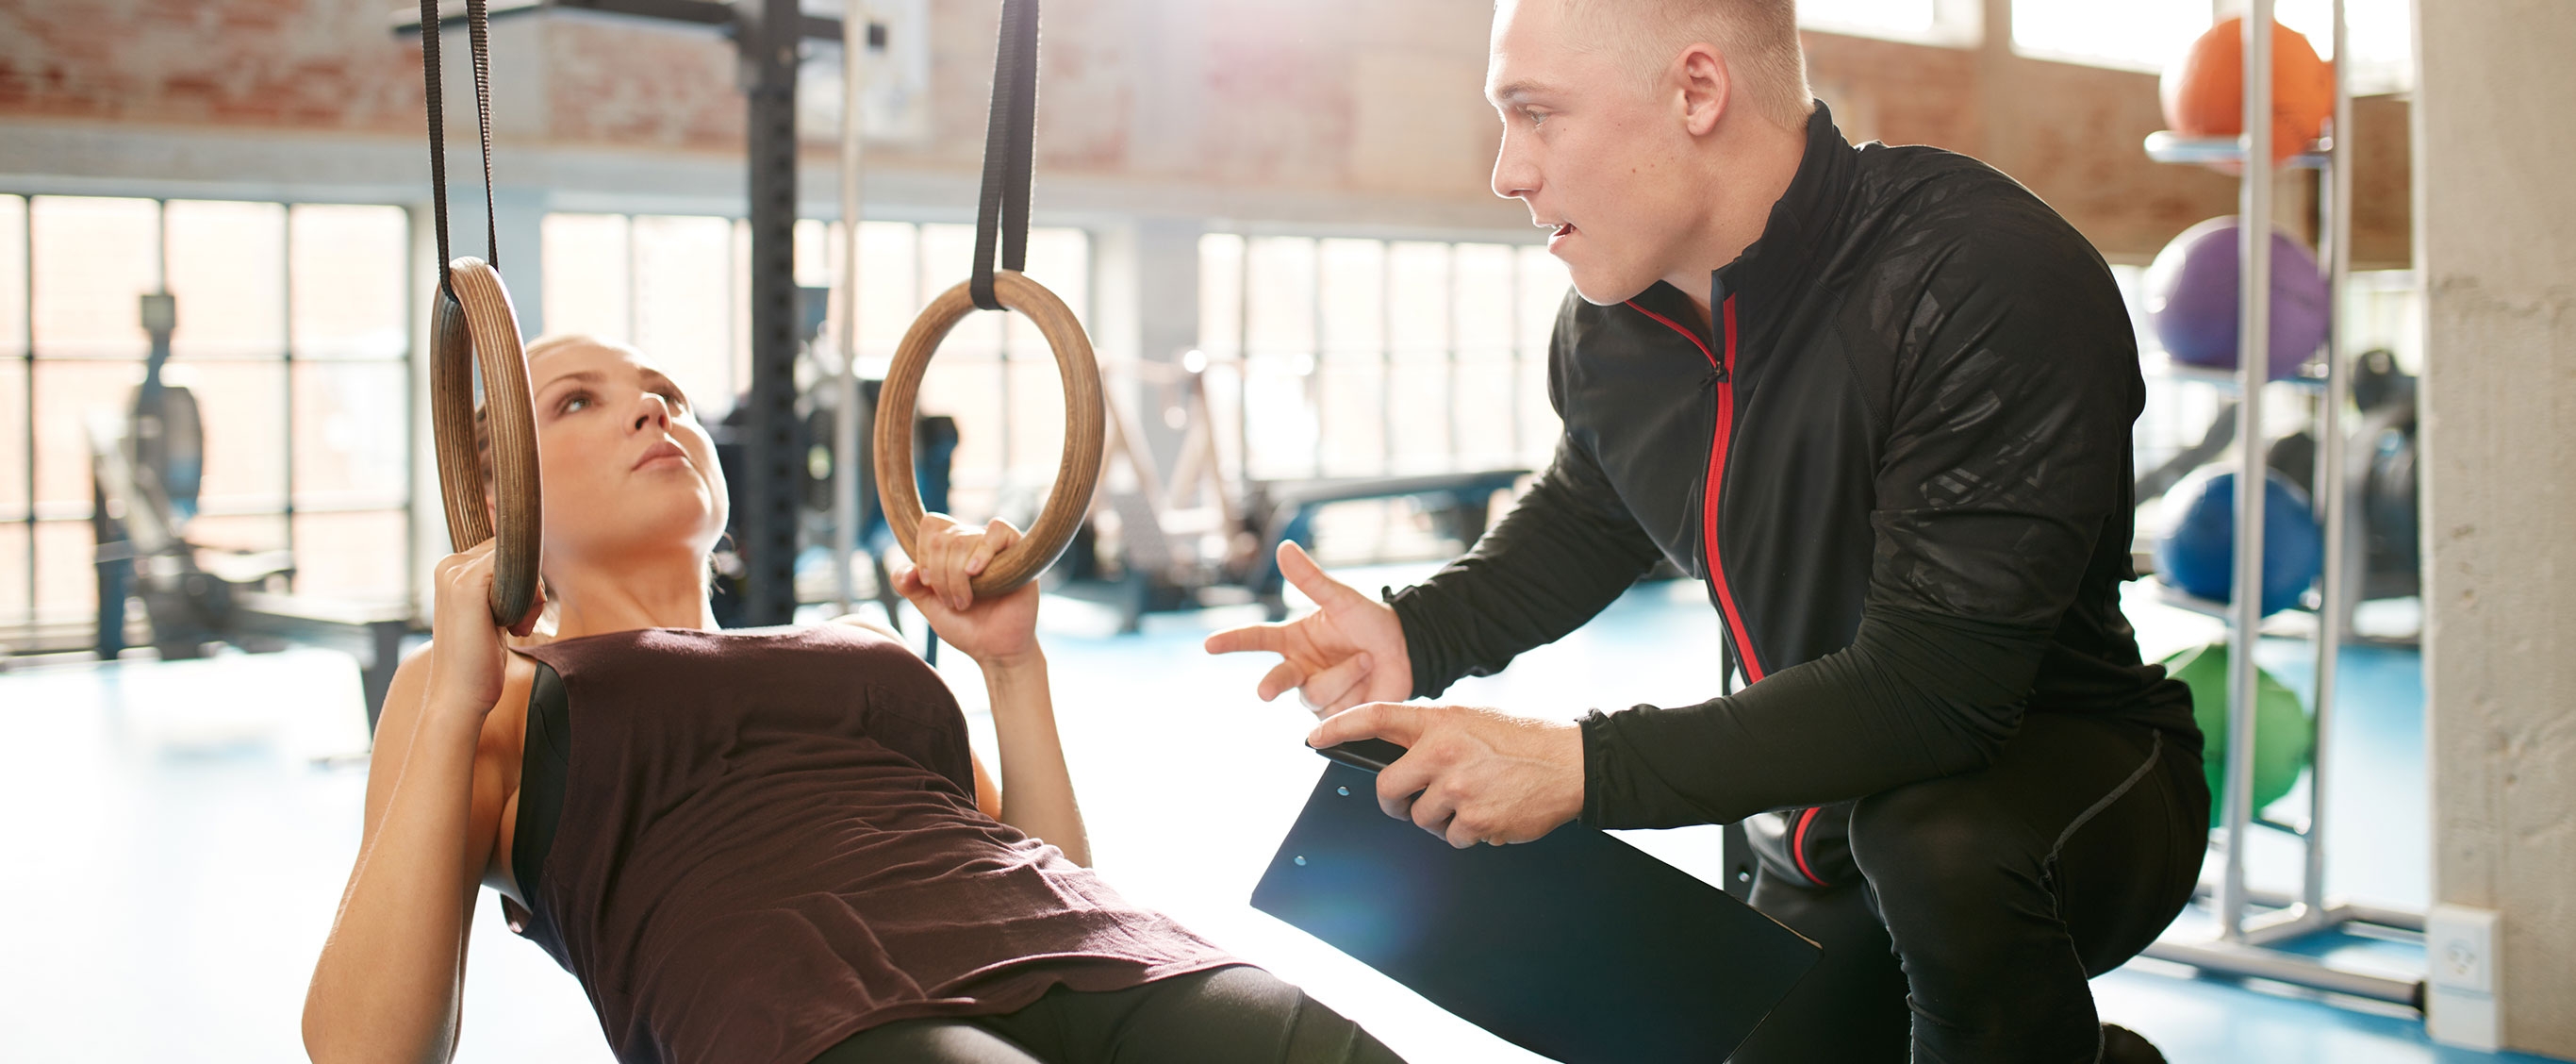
(1719, 438)
(1717, 447)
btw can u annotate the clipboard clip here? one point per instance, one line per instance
(1367, 755)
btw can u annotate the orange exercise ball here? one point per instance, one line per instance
(2204, 95)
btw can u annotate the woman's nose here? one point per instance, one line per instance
(655, 413)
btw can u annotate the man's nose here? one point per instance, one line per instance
(1514, 177)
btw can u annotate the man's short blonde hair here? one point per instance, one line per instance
(1759, 37)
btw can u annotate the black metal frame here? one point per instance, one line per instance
(769, 35)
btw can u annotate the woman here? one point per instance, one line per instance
(759, 847)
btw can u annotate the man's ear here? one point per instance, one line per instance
(1707, 88)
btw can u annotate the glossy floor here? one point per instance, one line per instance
(178, 835)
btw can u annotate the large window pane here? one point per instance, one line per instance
(68, 393)
(1486, 325)
(1061, 260)
(354, 556)
(349, 435)
(94, 259)
(13, 448)
(588, 288)
(228, 270)
(967, 380)
(351, 279)
(242, 406)
(13, 276)
(66, 574)
(2382, 32)
(1544, 288)
(681, 318)
(13, 573)
(1909, 20)
(1350, 373)
(2139, 34)
(1279, 416)
(890, 285)
(1220, 292)
(217, 533)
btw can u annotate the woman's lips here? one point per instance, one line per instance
(659, 451)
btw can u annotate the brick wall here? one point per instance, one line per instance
(1351, 98)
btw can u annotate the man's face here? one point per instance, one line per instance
(1593, 146)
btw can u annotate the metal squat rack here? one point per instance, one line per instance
(2248, 944)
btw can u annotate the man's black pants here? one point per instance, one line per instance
(1983, 902)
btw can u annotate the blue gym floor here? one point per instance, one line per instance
(179, 833)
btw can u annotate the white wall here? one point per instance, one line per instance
(2496, 245)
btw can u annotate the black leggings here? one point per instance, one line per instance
(1228, 1014)
(1985, 901)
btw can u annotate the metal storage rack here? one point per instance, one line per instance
(2247, 944)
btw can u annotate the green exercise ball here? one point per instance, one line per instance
(2284, 737)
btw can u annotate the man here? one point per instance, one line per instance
(1879, 400)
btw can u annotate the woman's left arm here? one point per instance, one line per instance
(1000, 633)
(1037, 789)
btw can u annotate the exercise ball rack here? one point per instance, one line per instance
(2248, 944)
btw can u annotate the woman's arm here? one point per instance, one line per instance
(390, 975)
(1000, 633)
(1037, 789)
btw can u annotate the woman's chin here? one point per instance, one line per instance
(677, 525)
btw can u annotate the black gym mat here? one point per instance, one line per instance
(1577, 946)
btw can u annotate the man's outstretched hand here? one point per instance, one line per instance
(1350, 650)
(1469, 775)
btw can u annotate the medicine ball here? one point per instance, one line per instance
(2285, 739)
(2196, 553)
(2191, 297)
(2204, 94)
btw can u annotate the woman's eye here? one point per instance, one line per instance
(573, 402)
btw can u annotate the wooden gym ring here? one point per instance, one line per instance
(478, 326)
(1076, 474)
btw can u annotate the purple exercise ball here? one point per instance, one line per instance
(2191, 296)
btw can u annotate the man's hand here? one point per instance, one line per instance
(1470, 775)
(1350, 650)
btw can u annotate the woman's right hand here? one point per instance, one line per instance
(467, 654)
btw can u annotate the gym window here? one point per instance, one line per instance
(1941, 22)
(294, 335)
(2146, 35)
(679, 289)
(1319, 336)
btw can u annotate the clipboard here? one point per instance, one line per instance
(1576, 946)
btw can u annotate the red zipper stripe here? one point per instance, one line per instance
(1798, 846)
(1753, 671)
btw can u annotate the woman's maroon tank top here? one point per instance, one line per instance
(769, 842)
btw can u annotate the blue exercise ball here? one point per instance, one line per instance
(2192, 299)
(2197, 551)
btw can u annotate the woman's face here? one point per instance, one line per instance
(625, 465)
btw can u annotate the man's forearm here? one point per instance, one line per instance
(1552, 563)
(1905, 702)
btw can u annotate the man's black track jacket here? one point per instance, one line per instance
(1898, 456)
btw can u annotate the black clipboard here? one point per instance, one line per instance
(1576, 946)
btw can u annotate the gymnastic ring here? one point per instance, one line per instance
(474, 326)
(1076, 474)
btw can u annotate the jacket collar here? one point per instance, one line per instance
(1805, 225)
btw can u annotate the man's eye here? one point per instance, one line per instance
(1535, 118)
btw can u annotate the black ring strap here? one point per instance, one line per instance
(479, 40)
(1009, 136)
